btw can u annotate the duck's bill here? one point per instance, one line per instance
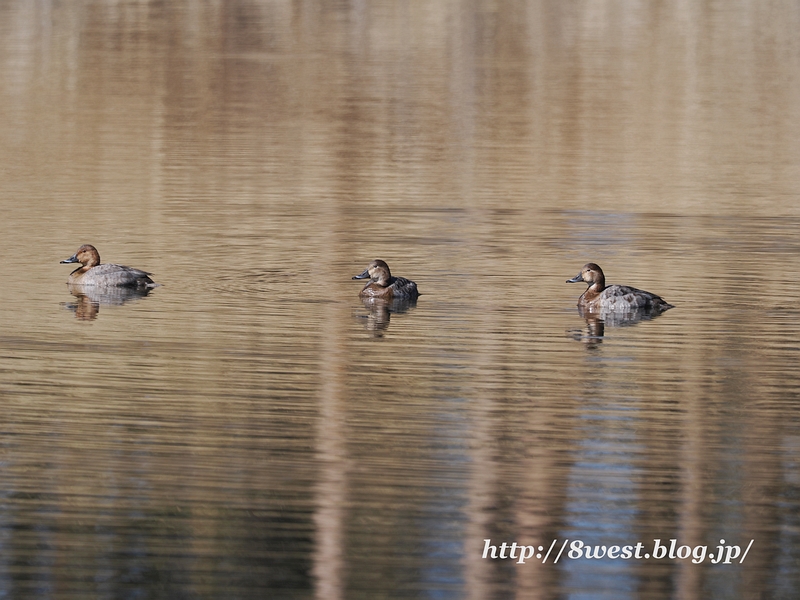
(364, 275)
(71, 259)
(577, 279)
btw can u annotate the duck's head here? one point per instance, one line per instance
(87, 255)
(591, 274)
(377, 271)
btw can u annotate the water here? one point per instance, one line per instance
(250, 429)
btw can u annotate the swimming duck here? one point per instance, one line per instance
(91, 272)
(383, 285)
(614, 298)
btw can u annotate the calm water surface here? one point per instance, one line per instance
(251, 430)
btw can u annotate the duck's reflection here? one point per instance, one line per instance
(380, 312)
(596, 322)
(88, 299)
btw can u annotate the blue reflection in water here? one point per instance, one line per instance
(787, 579)
(442, 575)
(602, 510)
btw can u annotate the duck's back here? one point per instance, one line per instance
(624, 297)
(404, 288)
(111, 275)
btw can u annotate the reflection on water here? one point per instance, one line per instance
(88, 299)
(237, 433)
(596, 322)
(379, 312)
(619, 319)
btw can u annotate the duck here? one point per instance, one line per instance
(383, 285)
(92, 273)
(614, 298)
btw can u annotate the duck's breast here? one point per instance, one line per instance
(373, 290)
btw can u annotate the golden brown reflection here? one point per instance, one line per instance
(239, 434)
